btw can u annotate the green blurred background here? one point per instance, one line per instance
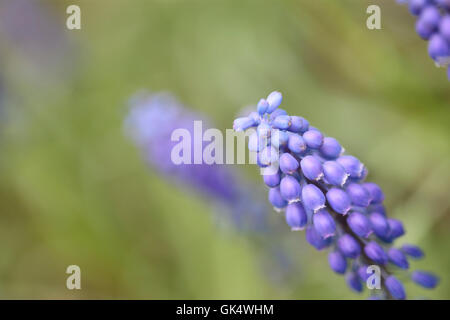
(75, 190)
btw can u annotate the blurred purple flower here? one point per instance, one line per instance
(37, 40)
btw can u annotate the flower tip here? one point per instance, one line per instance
(274, 99)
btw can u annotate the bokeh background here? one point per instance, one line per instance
(74, 189)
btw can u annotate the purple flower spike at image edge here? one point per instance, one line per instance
(324, 190)
(433, 25)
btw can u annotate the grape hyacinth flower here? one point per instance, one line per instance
(433, 25)
(324, 191)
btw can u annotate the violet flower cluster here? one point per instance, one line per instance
(433, 25)
(324, 191)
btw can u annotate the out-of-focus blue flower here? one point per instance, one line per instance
(395, 288)
(151, 121)
(425, 279)
(413, 251)
(433, 25)
(342, 210)
(37, 41)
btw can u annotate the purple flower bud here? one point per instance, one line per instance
(262, 107)
(444, 27)
(290, 189)
(375, 252)
(282, 122)
(396, 228)
(352, 165)
(438, 47)
(413, 251)
(362, 273)
(376, 194)
(395, 288)
(430, 16)
(348, 246)
(359, 224)
(267, 156)
(313, 138)
(276, 199)
(425, 279)
(330, 148)
(279, 138)
(313, 198)
(358, 194)
(324, 223)
(298, 124)
(276, 113)
(334, 173)
(274, 99)
(296, 143)
(296, 216)
(316, 240)
(416, 6)
(337, 262)
(380, 225)
(256, 143)
(263, 130)
(242, 124)
(397, 258)
(311, 168)
(272, 180)
(353, 282)
(255, 117)
(338, 200)
(423, 30)
(288, 164)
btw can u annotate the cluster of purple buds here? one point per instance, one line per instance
(323, 190)
(433, 25)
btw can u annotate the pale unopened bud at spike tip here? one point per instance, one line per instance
(274, 99)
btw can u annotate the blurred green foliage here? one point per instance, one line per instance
(74, 189)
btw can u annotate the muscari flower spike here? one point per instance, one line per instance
(433, 25)
(324, 191)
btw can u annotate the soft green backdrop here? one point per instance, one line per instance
(74, 189)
